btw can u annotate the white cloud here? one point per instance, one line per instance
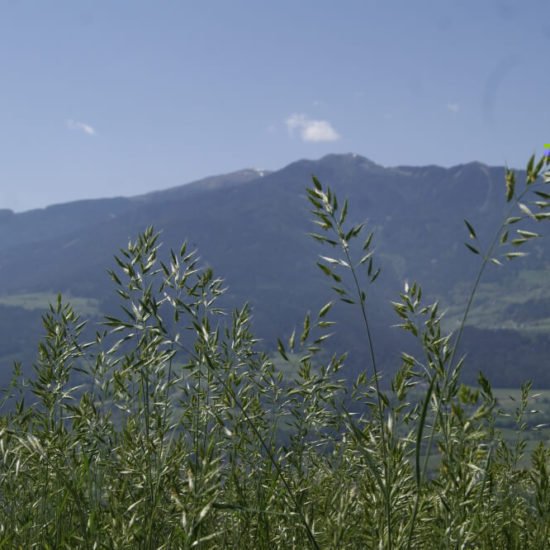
(81, 126)
(453, 107)
(311, 130)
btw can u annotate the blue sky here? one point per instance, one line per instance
(105, 98)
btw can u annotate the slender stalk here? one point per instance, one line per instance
(437, 420)
(330, 209)
(486, 258)
(387, 489)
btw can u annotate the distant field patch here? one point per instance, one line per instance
(42, 300)
(521, 304)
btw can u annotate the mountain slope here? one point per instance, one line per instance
(252, 228)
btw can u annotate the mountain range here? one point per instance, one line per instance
(252, 227)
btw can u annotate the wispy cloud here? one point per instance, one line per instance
(453, 107)
(311, 130)
(81, 126)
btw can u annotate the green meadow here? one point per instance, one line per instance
(170, 428)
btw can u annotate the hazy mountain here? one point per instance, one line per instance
(251, 227)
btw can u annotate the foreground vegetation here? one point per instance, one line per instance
(171, 430)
